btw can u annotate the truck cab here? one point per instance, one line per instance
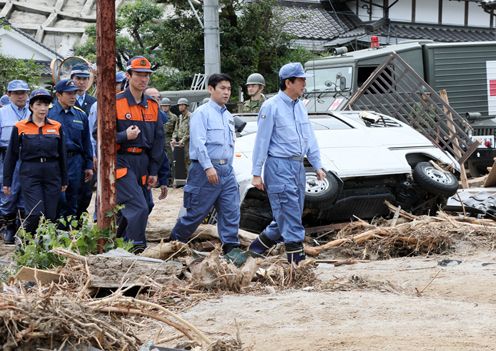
(336, 78)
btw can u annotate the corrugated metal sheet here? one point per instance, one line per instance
(461, 70)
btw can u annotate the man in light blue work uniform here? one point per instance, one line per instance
(78, 144)
(17, 91)
(284, 137)
(211, 181)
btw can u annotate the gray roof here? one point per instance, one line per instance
(441, 33)
(5, 22)
(309, 20)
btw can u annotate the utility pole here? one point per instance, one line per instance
(211, 36)
(105, 83)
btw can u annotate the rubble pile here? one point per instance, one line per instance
(58, 309)
(413, 235)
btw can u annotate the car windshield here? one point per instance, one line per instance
(329, 79)
(318, 121)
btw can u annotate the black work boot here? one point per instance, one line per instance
(295, 252)
(260, 245)
(10, 229)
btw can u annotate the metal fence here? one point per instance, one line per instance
(395, 89)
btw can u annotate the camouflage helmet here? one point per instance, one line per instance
(165, 101)
(255, 78)
(183, 101)
(205, 100)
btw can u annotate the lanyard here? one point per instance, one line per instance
(19, 115)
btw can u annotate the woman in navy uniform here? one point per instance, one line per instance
(38, 143)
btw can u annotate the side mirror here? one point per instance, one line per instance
(342, 83)
(473, 116)
(340, 51)
(239, 124)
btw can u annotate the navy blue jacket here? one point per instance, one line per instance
(76, 131)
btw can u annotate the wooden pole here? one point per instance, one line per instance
(105, 61)
(452, 131)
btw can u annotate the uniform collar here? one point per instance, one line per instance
(217, 107)
(58, 108)
(81, 98)
(30, 119)
(132, 102)
(286, 98)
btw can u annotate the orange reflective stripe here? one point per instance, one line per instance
(28, 127)
(134, 150)
(136, 112)
(120, 172)
(144, 179)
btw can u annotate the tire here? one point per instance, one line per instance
(434, 181)
(255, 221)
(320, 194)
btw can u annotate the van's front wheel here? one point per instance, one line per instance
(433, 180)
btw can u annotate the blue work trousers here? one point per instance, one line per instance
(9, 204)
(285, 184)
(134, 195)
(69, 200)
(199, 198)
(41, 188)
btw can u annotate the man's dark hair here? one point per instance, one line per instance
(216, 78)
(282, 83)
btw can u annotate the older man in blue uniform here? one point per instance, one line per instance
(80, 74)
(17, 91)
(78, 144)
(211, 181)
(284, 138)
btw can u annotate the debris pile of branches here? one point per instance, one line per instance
(216, 274)
(422, 235)
(49, 317)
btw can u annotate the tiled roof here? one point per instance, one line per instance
(426, 31)
(440, 33)
(312, 22)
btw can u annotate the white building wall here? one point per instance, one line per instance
(15, 45)
(454, 12)
(401, 11)
(477, 17)
(426, 11)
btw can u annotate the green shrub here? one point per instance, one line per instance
(82, 236)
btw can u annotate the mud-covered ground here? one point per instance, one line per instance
(441, 302)
(398, 304)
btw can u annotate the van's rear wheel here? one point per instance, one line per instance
(320, 194)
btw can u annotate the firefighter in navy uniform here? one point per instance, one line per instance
(140, 144)
(78, 144)
(38, 143)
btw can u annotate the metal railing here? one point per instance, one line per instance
(395, 89)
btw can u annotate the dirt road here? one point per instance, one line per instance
(416, 303)
(399, 304)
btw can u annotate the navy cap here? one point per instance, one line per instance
(293, 70)
(65, 85)
(39, 94)
(17, 85)
(120, 76)
(80, 70)
(139, 64)
(4, 100)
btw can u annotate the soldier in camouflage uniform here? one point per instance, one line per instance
(169, 127)
(180, 136)
(255, 85)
